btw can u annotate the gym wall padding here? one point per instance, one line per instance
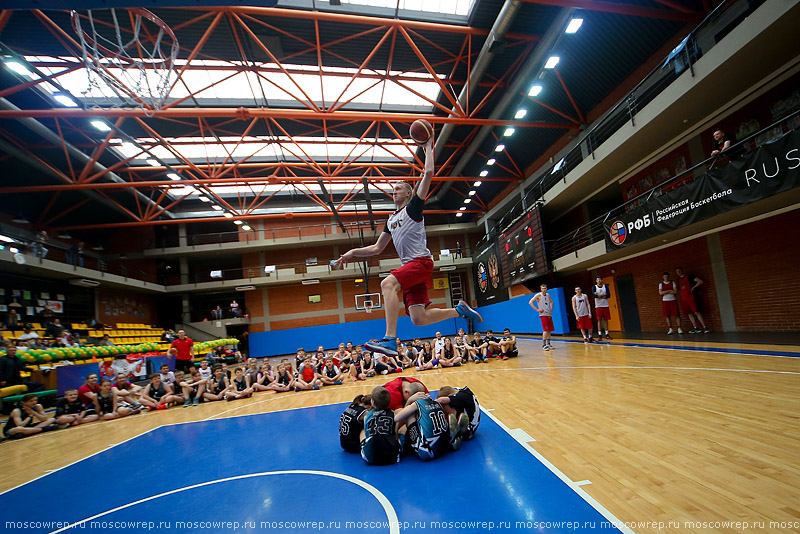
(278, 342)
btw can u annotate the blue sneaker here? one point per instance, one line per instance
(465, 311)
(386, 345)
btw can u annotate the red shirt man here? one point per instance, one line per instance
(185, 347)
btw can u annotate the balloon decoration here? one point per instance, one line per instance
(50, 355)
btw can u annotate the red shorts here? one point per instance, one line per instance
(547, 323)
(689, 303)
(602, 313)
(670, 308)
(585, 322)
(414, 278)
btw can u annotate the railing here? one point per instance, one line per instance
(594, 230)
(704, 37)
(269, 234)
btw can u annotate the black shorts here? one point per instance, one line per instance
(381, 450)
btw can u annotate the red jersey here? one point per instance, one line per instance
(83, 390)
(685, 285)
(183, 346)
(308, 373)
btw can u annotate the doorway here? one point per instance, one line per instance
(627, 303)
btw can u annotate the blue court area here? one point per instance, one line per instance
(285, 472)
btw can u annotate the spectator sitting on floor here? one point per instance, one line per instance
(28, 418)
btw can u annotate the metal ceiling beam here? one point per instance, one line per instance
(524, 76)
(497, 33)
(621, 9)
(248, 113)
(329, 200)
(286, 215)
(45, 132)
(361, 19)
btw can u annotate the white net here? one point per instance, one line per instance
(129, 56)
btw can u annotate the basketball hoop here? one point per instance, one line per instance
(368, 306)
(129, 56)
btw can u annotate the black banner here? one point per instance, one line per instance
(773, 168)
(489, 286)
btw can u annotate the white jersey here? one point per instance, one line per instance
(600, 300)
(206, 373)
(545, 304)
(407, 228)
(581, 305)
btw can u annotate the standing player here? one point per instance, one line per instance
(583, 314)
(669, 303)
(601, 307)
(543, 304)
(687, 285)
(185, 347)
(406, 229)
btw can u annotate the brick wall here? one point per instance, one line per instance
(763, 273)
(693, 257)
(761, 263)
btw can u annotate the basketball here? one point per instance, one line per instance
(420, 131)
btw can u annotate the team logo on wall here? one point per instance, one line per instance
(483, 277)
(617, 232)
(494, 271)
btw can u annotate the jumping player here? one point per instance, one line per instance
(406, 229)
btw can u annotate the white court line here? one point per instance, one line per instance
(565, 479)
(583, 482)
(50, 472)
(520, 435)
(632, 345)
(391, 515)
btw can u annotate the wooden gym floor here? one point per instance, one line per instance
(669, 436)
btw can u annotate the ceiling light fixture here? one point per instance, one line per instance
(491, 161)
(101, 125)
(463, 208)
(472, 193)
(203, 199)
(228, 215)
(552, 61)
(65, 101)
(573, 25)
(499, 148)
(174, 176)
(459, 214)
(509, 132)
(535, 90)
(246, 227)
(238, 222)
(215, 207)
(520, 114)
(153, 163)
(467, 200)
(484, 173)
(18, 67)
(477, 184)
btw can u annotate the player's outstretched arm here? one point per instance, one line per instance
(425, 183)
(364, 252)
